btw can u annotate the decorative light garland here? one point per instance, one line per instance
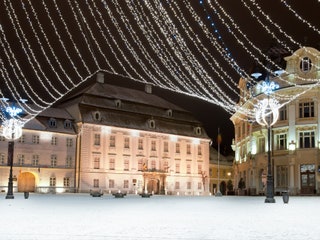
(161, 56)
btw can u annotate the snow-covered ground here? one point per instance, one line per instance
(80, 216)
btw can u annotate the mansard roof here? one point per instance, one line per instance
(131, 108)
(42, 121)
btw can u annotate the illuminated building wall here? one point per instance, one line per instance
(295, 136)
(44, 156)
(133, 141)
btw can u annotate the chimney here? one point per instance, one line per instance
(100, 77)
(148, 88)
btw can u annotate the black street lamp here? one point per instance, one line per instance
(267, 113)
(12, 129)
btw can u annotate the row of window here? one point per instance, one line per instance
(306, 139)
(96, 184)
(306, 110)
(35, 139)
(66, 181)
(126, 144)
(142, 166)
(35, 160)
(53, 123)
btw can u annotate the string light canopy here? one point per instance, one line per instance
(49, 48)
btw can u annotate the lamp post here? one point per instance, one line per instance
(218, 193)
(12, 129)
(267, 113)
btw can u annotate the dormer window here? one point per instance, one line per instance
(197, 130)
(52, 123)
(117, 103)
(305, 64)
(152, 123)
(169, 113)
(67, 124)
(97, 116)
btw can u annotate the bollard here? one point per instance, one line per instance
(26, 195)
(285, 196)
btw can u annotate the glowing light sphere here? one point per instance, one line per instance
(12, 129)
(267, 112)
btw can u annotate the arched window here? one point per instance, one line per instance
(97, 116)
(305, 64)
(152, 123)
(67, 124)
(197, 130)
(52, 123)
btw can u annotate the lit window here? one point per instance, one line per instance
(305, 64)
(283, 113)
(306, 139)
(281, 143)
(306, 109)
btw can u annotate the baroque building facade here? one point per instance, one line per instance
(44, 156)
(295, 137)
(108, 138)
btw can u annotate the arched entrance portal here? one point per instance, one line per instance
(154, 182)
(26, 182)
(153, 186)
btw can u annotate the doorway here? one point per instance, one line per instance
(308, 178)
(26, 182)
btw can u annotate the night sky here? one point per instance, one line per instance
(63, 67)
